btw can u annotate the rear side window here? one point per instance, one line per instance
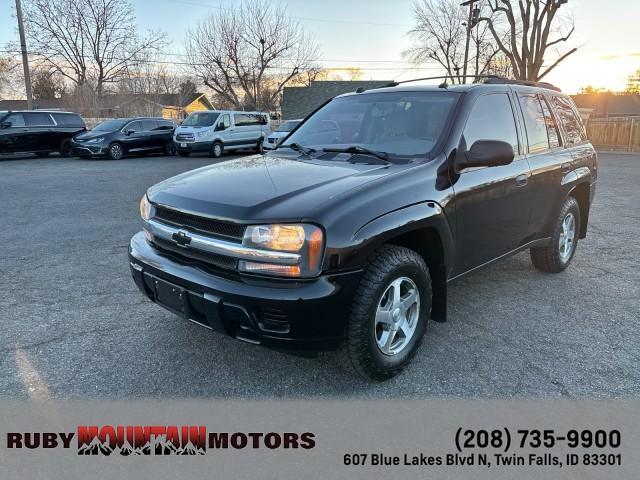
(134, 126)
(68, 120)
(149, 125)
(165, 125)
(571, 123)
(38, 119)
(552, 126)
(492, 119)
(534, 122)
(246, 119)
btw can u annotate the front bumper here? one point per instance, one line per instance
(87, 149)
(283, 314)
(195, 147)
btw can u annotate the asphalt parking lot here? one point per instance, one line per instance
(75, 326)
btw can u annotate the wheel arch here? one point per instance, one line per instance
(424, 229)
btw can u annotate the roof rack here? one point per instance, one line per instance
(488, 79)
(500, 80)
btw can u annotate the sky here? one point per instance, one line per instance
(372, 34)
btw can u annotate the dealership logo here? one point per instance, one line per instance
(182, 238)
(157, 440)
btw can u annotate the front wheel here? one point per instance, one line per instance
(389, 314)
(170, 149)
(115, 152)
(555, 257)
(260, 146)
(216, 150)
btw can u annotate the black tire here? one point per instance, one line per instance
(360, 352)
(217, 149)
(551, 258)
(65, 148)
(42, 154)
(260, 146)
(170, 149)
(115, 151)
(184, 153)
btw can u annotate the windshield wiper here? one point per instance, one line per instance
(298, 148)
(360, 150)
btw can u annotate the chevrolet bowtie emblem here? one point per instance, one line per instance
(182, 238)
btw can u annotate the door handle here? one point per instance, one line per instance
(565, 167)
(521, 180)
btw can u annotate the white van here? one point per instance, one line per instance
(215, 131)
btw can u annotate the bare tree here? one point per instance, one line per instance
(87, 41)
(440, 36)
(532, 28)
(248, 54)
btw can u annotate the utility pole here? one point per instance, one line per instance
(474, 13)
(25, 57)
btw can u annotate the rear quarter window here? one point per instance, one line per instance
(68, 120)
(569, 119)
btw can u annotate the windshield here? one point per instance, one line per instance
(201, 119)
(110, 125)
(402, 124)
(288, 126)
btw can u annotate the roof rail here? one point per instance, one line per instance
(500, 80)
(442, 77)
(488, 79)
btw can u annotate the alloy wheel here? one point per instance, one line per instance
(567, 237)
(397, 316)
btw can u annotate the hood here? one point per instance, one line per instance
(90, 135)
(263, 188)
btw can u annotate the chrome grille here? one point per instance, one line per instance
(205, 225)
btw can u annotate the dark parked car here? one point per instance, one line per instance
(116, 138)
(37, 131)
(348, 233)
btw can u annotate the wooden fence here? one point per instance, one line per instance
(615, 134)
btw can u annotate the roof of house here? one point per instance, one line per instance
(52, 104)
(112, 101)
(609, 104)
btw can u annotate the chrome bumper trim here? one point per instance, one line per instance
(220, 247)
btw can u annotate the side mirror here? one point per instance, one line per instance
(6, 124)
(130, 132)
(220, 127)
(488, 153)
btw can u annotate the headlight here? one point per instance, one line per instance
(204, 133)
(145, 208)
(96, 140)
(303, 239)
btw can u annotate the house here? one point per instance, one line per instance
(298, 102)
(174, 105)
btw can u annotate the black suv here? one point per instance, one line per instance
(347, 234)
(37, 131)
(116, 138)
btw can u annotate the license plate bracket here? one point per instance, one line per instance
(172, 297)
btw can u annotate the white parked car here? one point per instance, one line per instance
(215, 131)
(281, 132)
